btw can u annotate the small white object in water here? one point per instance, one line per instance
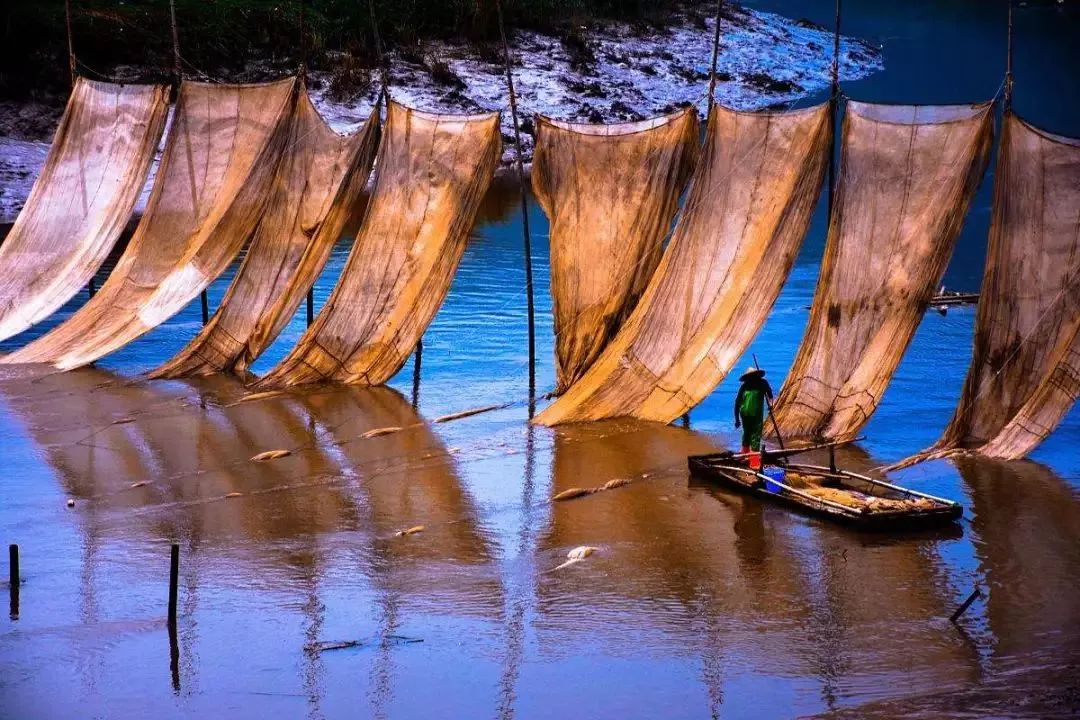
(410, 531)
(70, 503)
(577, 555)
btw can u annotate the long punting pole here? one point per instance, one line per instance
(178, 76)
(833, 103)
(715, 57)
(71, 42)
(1007, 100)
(519, 165)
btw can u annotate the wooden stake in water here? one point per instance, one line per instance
(310, 305)
(526, 235)
(965, 605)
(418, 358)
(174, 581)
(13, 577)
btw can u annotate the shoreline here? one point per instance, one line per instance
(618, 73)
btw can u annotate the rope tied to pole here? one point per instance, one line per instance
(520, 167)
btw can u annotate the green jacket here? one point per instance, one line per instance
(750, 402)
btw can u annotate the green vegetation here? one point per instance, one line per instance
(252, 39)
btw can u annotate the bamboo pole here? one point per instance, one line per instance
(1009, 61)
(70, 41)
(715, 56)
(176, 46)
(384, 79)
(519, 165)
(834, 102)
(178, 77)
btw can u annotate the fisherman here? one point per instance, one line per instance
(750, 406)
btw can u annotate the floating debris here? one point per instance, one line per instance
(137, 484)
(380, 431)
(233, 494)
(469, 413)
(123, 421)
(271, 455)
(257, 396)
(70, 503)
(332, 645)
(571, 494)
(410, 531)
(577, 555)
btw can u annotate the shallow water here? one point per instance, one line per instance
(697, 602)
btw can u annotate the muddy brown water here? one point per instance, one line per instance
(698, 601)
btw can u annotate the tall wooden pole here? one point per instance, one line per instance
(175, 45)
(303, 43)
(178, 76)
(1009, 62)
(715, 57)
(71, 41)
(519, 164)
(834, 103)
(384, 92)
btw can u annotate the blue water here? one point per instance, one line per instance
(697, 601)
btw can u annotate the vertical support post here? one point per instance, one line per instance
(310, 305)
(93, 285)
(303, 44)
(205, 302)
(1009, 61)
(174, 581)
(383, 75)
(177, 70)
(519, 165)
(834, 103)
(71, 41)
(418, 358)
(13, 577)
(715, 57)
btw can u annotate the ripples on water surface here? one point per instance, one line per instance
(697, 602)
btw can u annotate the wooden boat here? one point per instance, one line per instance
(828, 492)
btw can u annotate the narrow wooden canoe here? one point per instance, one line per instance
(839, 495)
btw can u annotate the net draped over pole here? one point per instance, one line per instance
(744, 218)
(609, 192)
(1025, 367)
(907, 176)
(82, 199)
(209, 194)
(432, 170)
(319, 181)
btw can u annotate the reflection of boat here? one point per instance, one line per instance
(829, 492)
